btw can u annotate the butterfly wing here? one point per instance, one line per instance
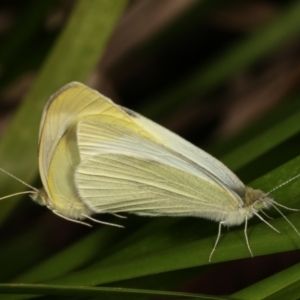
(193, 153)
(62, 110)
(65, 142)
(122, 169)
(125, 183)
(58, 152)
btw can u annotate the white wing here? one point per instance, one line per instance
(123, 183)
(195, 154)
(95, 137)
(155, 176)
(103, 129)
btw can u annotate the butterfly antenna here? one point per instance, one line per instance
(284, 183)
(16, 194)
(16, 178)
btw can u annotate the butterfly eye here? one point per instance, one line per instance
(259, 204)
(37, 199)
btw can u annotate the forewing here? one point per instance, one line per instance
(70, 104)
(96, 136)
(195, 154)
(125, 183)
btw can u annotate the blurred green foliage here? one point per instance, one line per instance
(188, 64)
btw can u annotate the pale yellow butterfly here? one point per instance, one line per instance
(98, 157)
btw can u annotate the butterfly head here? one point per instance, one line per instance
(257, 199)
(40, 197)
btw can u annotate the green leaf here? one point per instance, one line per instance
(72, 58)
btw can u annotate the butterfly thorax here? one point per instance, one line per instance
(253, 201)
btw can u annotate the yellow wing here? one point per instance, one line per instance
(64, 109)
(58, 153)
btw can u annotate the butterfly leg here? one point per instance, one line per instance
(118, 216)
(69, 219)
(217, 240)
(246, 235)
(101, 222)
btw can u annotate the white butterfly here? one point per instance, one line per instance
(98, 157)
